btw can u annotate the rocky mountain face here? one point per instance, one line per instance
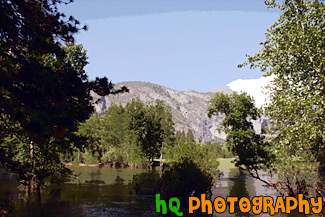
(188, 107)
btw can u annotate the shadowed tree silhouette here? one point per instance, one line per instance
(45, 91)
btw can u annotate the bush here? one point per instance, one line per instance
(90, 159)
(204, 156)
(185, 179)
(75, 159)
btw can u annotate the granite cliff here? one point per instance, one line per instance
(188, 107)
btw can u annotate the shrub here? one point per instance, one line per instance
(184, 179)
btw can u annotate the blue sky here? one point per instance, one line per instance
(181, 44)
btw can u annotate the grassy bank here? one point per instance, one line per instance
(225, 163)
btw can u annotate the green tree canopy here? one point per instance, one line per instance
(32, 85)
(43, 122)
(44, 89)
(151, 124)
(242, 141)
(294, 55)
(133, 134)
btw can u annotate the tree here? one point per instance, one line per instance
(91, 129)
(44, 89)
(175, 181)
(294, 55)
(200, 154)
(134, 134)
(46, 113)
(165, 120)
(30, 87)
(249, 147)
(184, 159)
(152, 126)
(190, 135)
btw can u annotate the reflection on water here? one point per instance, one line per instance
(236, 184)
(114, 192)
(239, 189)
(119, 180)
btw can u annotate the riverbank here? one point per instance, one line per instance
(83, 165)
(225, 163)
(117, 166)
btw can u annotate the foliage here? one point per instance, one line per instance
(213, 150)
(225, 153)
(249, 147)
(218, 140)
(42, 125)
(91, 127)
(184, 179)
(144, 126)
(30, 88)
(190, 135)
(44, 89)
(218, 146)
(214, 147)
(32, 93)
(181, 135)
(149, 126)
(133, 134)
(294, 55)
(89, 158)
(204, 156)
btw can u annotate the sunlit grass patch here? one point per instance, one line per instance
(226, 163)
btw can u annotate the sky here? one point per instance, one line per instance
(180, 44)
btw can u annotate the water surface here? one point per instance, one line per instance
(116, 192)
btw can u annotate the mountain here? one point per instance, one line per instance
(188, 107)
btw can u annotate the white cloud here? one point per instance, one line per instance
(254, 87)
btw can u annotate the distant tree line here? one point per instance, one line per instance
(136, 134)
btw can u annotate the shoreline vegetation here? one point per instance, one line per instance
(225, 163)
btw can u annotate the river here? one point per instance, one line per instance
(111, 192)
